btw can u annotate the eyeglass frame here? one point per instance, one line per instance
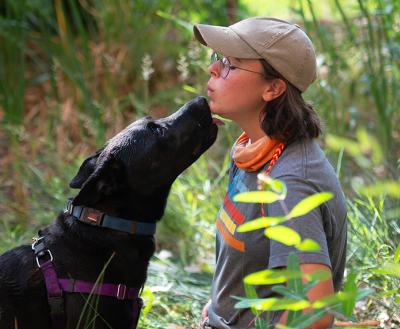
(215, 57)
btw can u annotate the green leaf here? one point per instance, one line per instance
(284, 235)
(369, 144)
(326, 301)
(273, 304)
(396, 257)
(285, 292)
(275, 185)
(338, 143)
(271, 276)
(257, 197)
(252, 302)
(305, 320)
(307, 286)
(388, 268)
(308, 245)
(149, 298)
(295, 283)
(388, 293)
(261, 222)
(350, 291)
(397, 300)
(390, 188)
(309, 203)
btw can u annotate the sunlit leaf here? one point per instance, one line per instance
(309, 203)
(273, 304)
(284, 235)
(257, 197)
(308, 245)
(389, 268)
(338, 143)
(275, 185)
(271, 276)
(396, 257)
(390, 188)
(190, 89)
(397, 300)
(368, 144)
(326, 301)
(149, 298)
(261, 222)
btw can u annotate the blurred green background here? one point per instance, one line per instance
(75, 72)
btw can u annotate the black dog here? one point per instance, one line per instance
(125, 184)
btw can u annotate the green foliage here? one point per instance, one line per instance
(280, 233)
(359, 66)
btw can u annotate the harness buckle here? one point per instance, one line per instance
(42, 254)
(121, 291)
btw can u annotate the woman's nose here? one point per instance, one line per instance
(214, 69)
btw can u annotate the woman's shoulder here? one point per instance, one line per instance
(303, 158)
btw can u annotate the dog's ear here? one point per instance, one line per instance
(85, 170)
(106, 179)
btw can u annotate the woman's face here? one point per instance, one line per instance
(239, 96)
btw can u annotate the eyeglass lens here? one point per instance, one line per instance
(224, 64)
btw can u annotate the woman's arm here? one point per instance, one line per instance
(322, 289)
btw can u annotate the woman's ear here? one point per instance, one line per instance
(274, 89)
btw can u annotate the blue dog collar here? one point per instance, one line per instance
(97, 218)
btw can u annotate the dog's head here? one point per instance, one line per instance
(132, 174)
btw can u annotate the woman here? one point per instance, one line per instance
(259, 69)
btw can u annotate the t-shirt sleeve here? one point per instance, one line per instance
(309, 226)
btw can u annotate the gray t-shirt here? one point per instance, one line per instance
(305, 170)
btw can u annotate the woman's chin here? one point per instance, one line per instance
(214, 107)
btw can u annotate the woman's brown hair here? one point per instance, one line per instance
(288, 117)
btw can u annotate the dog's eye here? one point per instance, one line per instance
(156, 129)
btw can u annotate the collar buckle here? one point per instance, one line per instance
(91, 216)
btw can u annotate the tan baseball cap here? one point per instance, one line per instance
(285, 46)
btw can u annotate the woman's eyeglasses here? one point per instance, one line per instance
(225, 65)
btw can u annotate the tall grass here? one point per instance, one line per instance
(359, 62)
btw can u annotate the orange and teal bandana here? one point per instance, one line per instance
(251, 157)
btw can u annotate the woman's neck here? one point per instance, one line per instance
(252, 129)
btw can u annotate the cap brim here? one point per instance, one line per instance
(223, 40)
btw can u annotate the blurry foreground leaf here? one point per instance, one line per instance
(283, 235)
(261, 222)
(271, 276)
(390, 188)
(309, 203)
(308, 245)
(258, 197)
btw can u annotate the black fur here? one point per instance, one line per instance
(130, 177)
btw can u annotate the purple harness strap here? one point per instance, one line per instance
(55, 287)
(119, 291)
